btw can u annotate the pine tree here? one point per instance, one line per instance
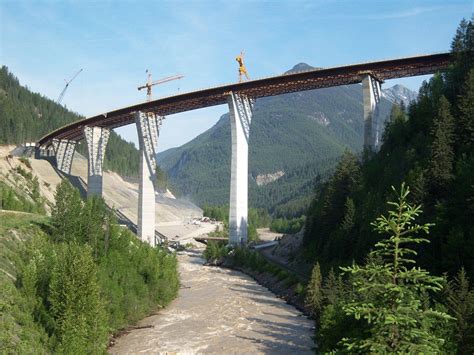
(314, 294)
(348, 220)
(442, 153)
(66, 213)
(466, 117)
(460, 301)
(76, 303)
(332, 288)
(391, 293)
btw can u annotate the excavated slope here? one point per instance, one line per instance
(118, 193)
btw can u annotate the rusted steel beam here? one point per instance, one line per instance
(276, 85)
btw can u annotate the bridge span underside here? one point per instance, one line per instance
(240, 97)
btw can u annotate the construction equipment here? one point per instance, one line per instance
(242, 68)
(60, 98)
(149, 83)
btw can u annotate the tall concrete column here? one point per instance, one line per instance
(371, 91)
(148, 130)
(240, 108)
(64, 151)
(96, 138)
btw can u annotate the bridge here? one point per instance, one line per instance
(240, 98)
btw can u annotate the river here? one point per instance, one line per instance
(220, 311)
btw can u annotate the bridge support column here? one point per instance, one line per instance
(97, 138)
(148, 126)
(64, 151)
(371, 90)
(240, 108)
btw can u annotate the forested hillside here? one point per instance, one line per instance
(69, 281)
(430, 146)
(299, 135)
(26, 117)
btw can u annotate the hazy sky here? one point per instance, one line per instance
(45, 42)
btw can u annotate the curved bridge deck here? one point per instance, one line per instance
(276, 85)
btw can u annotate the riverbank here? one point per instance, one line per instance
(220, 311)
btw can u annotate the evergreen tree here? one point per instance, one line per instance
(314, 293)
(76, 303)
(348, 220)
(460, 301)
(391, 293)
(466, 117)
(66, 213)
(442, 153)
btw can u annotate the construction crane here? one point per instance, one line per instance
(242, 68)
(60, 98)
(149, 83)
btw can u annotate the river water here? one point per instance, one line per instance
(220, 311)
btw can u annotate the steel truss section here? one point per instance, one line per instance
(281, 84)
(97, 138)
(148, 127)
(64, 150)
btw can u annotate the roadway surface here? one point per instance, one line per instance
(276, 85)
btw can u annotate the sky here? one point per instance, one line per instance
(115, 42)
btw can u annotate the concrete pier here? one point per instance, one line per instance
(97, 138)
(371, 91)
(148, 130)
(240, 108)
(64, 151)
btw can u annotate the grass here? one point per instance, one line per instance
(15, 227)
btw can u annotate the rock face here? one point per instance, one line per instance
(265, 179)
(399, 93)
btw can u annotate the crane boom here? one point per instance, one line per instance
(149, 83)
(61, 95)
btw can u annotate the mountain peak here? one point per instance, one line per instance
(399, 93)
(300, 67)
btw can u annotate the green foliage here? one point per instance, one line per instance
(466, 116)
(460, 302)
(289, 133)
(19, 333)
(331, 215)
(391, 289)
(76, 304)
(215, 251)
(251, 259)
(11, 199)
(290, 226)
(27, 116)
(257, 218)
(81, 278)
(66, 213)
(442, 150)
(430, 146)
(314, 293)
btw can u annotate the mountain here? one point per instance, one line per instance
(399, 93)
(293, 139)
